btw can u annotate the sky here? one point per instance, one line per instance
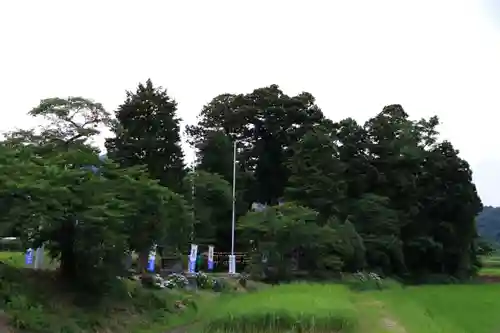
(434, 57)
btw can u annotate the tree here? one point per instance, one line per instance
(46, 191)
(282, 234)
(157, 215)
(72, 121)
(147, 133)
(379, 227)
(215, 155)
(86, 217)
(386, 195)
(397, 157)
(316, 174)
(451, 205)
(354, 251)
(379, 177)
(266, 123)
(212, 205)
(75, 212)
(353, 142)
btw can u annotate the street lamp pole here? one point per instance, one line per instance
(232, 259)
(193, 209)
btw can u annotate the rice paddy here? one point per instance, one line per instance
(288, 308)
(443, 309)
(312, 308)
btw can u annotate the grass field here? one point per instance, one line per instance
(443, 309)
(287, 308)
(319, 308)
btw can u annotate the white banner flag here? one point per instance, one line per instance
(211, 253)
(194, 252)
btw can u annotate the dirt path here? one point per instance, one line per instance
(181, 329)
(386, 321)
(392, 325)
(4, 321)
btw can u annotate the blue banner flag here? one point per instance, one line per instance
(192, 266)
(29, 257)
(151, 265)
(210, 258)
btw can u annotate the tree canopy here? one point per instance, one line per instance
(386, 195)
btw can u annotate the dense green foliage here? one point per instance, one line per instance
(88, 212)
(407, 199)
(385, 196)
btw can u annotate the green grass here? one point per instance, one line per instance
(491, 271)
(491, 261)
(491, 266)
(286, 308)
(445, 309)
(17, 259)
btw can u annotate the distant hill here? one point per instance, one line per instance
(488, 224)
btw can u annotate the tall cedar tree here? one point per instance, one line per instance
(316, 179)
(147, 132)
(215, 155)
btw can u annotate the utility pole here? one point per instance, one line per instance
(232, 258)
(193, 193)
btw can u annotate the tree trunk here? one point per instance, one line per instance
(142, 264)
(68, 258)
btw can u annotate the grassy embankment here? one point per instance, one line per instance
(33, 301)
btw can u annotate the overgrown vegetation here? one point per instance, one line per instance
(35, 302)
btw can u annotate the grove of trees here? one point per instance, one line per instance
(385, 195)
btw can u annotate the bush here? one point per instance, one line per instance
(203, 281)
(24, 315)
(242, 280)
(176, 280)
(172, 281)
(220, 285)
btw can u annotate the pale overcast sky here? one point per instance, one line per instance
(432, 56)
